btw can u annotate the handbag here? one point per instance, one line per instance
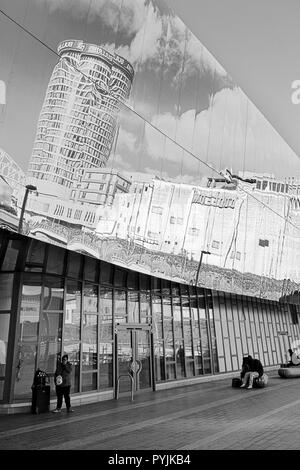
(236, 382)
(260, 382)
(59, 380)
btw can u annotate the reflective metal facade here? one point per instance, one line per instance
(125, 86)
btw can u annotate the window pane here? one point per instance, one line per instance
(159, 360)
(74, 264)
(72, 330)
(55, 260)
(106, 330)
(50, 341)
(170, 373)
(89, 342)
(145, 306)
(198, 357)
(205, 344)
(177, 317)
(90, 298)
(133, 307)
(28, 337)
(53, 293)
(157, 317)
(11, 255)
(73, 350)
(106, 365)
(120, 277)
(72, 317)
(179, 359)
(168, 331)
(89, 381)
(6, 286)
(133, 280)
(120, 306)
(91, 269)
(4, 327)
(36, 253)
(106, 273)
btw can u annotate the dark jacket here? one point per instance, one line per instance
(65, 371)
(256, 366)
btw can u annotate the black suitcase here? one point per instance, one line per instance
(236, 382)
(40, 399)
(40, 392)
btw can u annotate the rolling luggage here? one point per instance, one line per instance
(40, 393)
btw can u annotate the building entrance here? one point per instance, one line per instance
(134, 358)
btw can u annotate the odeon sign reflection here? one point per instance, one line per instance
(252, 250)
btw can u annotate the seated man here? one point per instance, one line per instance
(253, 368)
(294, 360)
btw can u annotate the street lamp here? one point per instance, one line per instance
(29, 187)
(203, 252)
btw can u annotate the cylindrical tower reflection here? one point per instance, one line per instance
(78, 120)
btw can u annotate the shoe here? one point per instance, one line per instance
(249, 387)
(243, 385)
(57, 410)
(70, 410)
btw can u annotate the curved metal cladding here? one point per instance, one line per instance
(144, 151)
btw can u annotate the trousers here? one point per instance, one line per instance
(63, 392)
(248, 377)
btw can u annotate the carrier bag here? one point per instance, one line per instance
(236, 382)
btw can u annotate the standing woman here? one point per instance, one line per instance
(62, 379)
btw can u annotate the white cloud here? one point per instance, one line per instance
(128, 19)
(145, 44)
(230, 133)
(127, 139)
(146, 25)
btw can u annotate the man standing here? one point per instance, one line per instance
(62, 379)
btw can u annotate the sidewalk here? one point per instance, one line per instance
(206, 416)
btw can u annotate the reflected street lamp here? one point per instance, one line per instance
(29, 187)
(203, 252)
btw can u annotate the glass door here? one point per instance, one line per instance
(133, 357)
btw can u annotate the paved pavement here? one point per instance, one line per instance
(206, 416)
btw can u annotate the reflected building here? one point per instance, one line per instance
(228, 219)
(75, 133)
(78, 120)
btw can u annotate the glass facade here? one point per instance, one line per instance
(109, 318)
